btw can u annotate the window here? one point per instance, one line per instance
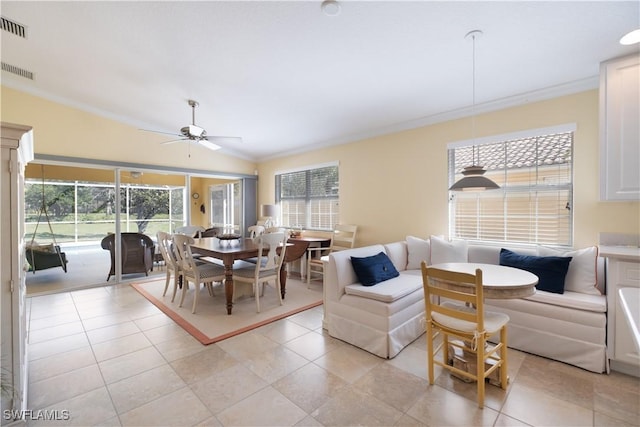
(308, 198)
(533, 204)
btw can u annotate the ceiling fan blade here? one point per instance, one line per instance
(208, 144)
(224, 139)
(174, 141)
(164, 133)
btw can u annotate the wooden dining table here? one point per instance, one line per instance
(228, 251)
(302, 243)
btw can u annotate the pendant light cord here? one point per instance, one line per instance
(473, 100)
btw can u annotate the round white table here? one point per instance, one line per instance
(498, 281)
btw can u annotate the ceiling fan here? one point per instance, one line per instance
(197, 134)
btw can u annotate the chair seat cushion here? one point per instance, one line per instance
(250, 272)
(209, 271)
(493, 321)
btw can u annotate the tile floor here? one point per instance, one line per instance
(110, 358)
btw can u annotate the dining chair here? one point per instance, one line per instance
(165, 242)
(255, 231)
(190, 230)
(193, 271)
(271, 252)
(455, 309)
(343, 237)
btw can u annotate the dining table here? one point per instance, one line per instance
(302, 243)
(498, 281)
(228, 251)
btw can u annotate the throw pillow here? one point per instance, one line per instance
(443, 250)
(582, 275)
(374, 269)
(418, 250)
(551, 270)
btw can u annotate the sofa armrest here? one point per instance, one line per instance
(340, 271)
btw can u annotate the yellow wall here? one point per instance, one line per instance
(66, 131)
(391, 186)
(396, 185)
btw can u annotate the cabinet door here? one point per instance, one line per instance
(620, 129)
(623, 274)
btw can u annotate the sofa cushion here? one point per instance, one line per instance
(389, 290)
(418, 250)
(582, 274)
(374, 269)
(570, 299)
(551, 271)
(443, 250)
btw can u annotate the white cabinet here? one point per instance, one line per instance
(620, 129)
(17, 150)
(623, 271)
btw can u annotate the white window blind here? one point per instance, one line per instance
(533, 204)
(309, 198)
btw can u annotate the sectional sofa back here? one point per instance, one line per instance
(491, 255)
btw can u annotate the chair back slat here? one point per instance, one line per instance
(182, 251)
(269, 257)
(459, 287)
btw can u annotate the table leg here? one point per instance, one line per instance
(283, 279)
(228, 285)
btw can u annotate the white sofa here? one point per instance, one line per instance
(383, 319)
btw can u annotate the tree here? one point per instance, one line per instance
(145, 203)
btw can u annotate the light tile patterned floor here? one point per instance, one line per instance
(110, 358)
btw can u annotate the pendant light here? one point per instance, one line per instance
(473, 175)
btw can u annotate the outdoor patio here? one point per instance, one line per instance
(88, 266)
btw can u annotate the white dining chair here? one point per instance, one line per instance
(171, 263)
(192, 271)
(271, 251)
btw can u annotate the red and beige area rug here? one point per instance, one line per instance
(212, 324)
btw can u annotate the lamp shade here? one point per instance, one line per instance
(269, 210)
(473, 180)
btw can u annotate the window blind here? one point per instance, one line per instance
(309, 198)
(533, 204)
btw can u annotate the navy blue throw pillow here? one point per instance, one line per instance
(374, 269)
(551, 270)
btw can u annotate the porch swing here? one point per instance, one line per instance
(42, 257)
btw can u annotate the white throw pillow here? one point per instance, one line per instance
(582, 275)
(443, 250)
(418, 250)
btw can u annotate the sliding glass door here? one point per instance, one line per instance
(226, 207)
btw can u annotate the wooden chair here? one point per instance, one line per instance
(455, 308)
(343, 237)
(255, 231)
(271, 253)
(165, 242)
(192, 271)
(190, 230)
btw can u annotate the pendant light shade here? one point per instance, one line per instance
(473, 178)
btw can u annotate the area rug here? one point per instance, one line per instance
(211, 323)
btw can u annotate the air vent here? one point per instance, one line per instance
(17, 71)
(14, 28)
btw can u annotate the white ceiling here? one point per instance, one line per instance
(287, 78)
